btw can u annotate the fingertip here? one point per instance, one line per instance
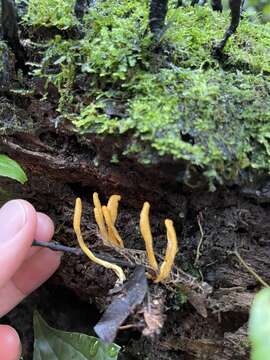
(16, 216)
(17, 228)
(44, 232)
(10, 344)
(29, 210)
(45, 227)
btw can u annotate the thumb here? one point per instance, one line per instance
(10, 345)
(17, 229)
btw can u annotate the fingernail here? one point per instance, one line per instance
(12, 220)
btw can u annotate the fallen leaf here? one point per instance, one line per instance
(52, 344)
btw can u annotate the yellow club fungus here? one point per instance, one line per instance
(105, 217)
(77, 228)
(113, 206)
(171, 251)
(114, 236)
(100, 220)
(147, 236)
(166, 267)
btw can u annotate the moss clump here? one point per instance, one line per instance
(57, 13)
(116, 40)
(216, 120)
(178, 102)
(192, 33)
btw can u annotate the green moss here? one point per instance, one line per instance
(49, 13)
(216, 120)
(192, 33)
(116, 41)
(177, 300)
(178, 102)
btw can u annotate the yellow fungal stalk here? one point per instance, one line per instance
(105, 217)
(113, 206)
(99, 219)
(166, 267)
(147, 236)
(77, 228)
(171, 251)
(114, 236)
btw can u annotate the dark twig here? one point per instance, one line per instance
(10, 31)
(77, 251)
(157, 15)
(235, 7)
(79, 8)
(217, 5)
(58, 247)
(82, 6)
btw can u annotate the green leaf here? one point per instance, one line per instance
(259, 326)
(11, 169)
(52, 344)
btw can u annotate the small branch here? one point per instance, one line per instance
(58, 247)
(10, 31)
(217, 5)
(80, 8)
(77, 251)
(249, 269)
(235, 7)
(158, 12)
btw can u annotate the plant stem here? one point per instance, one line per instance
(249, 269)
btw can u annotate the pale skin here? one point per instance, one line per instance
(22, 268)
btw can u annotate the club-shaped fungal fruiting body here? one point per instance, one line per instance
(77, 228)
(164, 271)
(106, 217)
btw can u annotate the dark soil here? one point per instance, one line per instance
(62, 166)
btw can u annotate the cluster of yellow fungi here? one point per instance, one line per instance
(106, 217)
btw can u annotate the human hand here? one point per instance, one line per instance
(22, 268)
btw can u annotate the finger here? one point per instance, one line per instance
(33, 272)
(18, 225)
(10, 345)
(44, 232)
(36, 270)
